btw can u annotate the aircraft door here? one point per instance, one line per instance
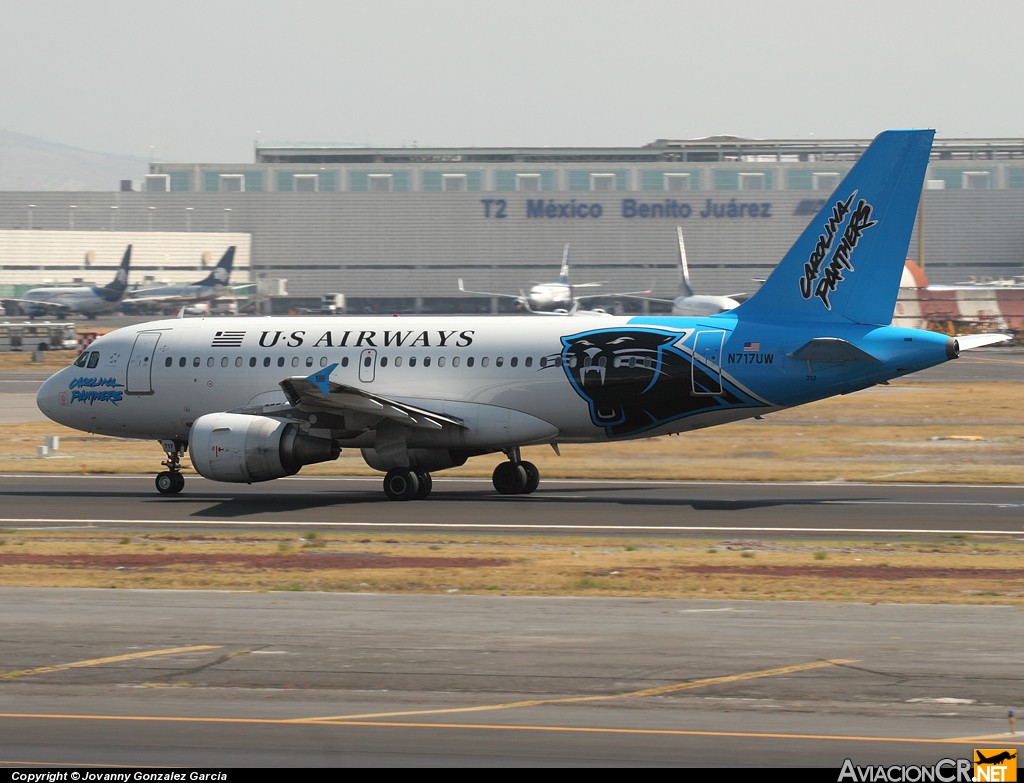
(707, 362)
(140, 364)
(367, 365)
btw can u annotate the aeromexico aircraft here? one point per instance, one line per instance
(85, 299)
(253, 399)
(214, 285)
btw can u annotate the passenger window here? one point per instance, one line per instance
(266, 361)
(252, 361)
(383, 361)
(323, 361)
(209, 361)
(195, 361)
(529, 361)
(499, 361)
(94, 359)
(295, 361)
(181, 361)
(412, 361)
(167, 362)
(469, 361)
(223, 361)
(426, 361)
(440, 361)
(398, 361)
(514, 361)
(280, 361)
(455, 361)
(309, 361)
(485, 361)
(344, 362)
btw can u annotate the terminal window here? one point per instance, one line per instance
(453, 183)
(232, 183)
(752, 182)
(677, 182)
(826, 180)
(307, 183)
(379, 183)
(602, 182)
(528, 182)
(975, 180)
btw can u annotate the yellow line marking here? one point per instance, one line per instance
(684, 686)
(101, 661)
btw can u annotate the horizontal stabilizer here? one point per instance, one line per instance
(831, 349)
(969, 341)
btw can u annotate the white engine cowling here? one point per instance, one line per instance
(241, 448)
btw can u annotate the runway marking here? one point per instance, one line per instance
(659, 691)
(101, 661)
(63, 523)
(505, 727)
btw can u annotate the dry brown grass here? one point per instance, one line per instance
(953, 571)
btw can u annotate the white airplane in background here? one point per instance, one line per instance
(559, 298)
(688, 303)
(213, 286)
(254, 399)
(89, 300)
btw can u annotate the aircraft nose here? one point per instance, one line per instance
(52, 397)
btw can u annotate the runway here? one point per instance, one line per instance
(559, 507)
(222, 680)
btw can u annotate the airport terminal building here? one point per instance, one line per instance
(396, 229)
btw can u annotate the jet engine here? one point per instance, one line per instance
(241, 448)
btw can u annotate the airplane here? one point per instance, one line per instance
(211, 287)
(687, 302)
(255, 399)
(1003, 756)
(87, 300)
(560, 297)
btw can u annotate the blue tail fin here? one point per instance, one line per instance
(847, 264)
(221, 274)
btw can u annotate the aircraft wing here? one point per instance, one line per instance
(318, 393)
(56, 306)
(465, 290)
(606, 294)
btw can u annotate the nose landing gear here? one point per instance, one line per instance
(170, 481)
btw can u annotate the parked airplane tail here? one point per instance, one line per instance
(115, 289)
(847, 264)
(221, 274)
(685, 289)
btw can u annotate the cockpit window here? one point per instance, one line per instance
(82, 359)
(94, 359)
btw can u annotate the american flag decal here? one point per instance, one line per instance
(227, 339)
(747, 347)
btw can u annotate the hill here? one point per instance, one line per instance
(31, 164)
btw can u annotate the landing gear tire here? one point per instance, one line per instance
(169, 482)
(426, 484)
(509, 478)
(401, 484)
(532, 477)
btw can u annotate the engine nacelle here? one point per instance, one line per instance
(241, 448)
(421, 459)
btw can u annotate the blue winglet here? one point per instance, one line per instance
(322, 378)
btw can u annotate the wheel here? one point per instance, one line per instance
(169, 482)
(509, 478)
(401, 484)
(532, 477)
(426, 484)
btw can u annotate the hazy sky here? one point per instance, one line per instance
(202, 80)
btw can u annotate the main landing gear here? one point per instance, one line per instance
(407, 484)
(515, 477)
(171, 482)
